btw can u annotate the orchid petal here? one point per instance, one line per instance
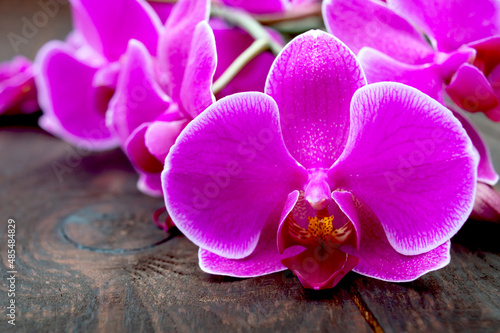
(372, 24)
(226, 173)
(176, 42)
(109, 34)
(452, 22)
(161, 135)
(196, 91)
(312, 80)
(258, 7)
(73, 109)
(138, 98)
(318, 268)
(265, 259)
(162, 9)
(17, 86)
(485, 171)
(379, 260)
(149, 183)
(487, 204)
(139, 154)
(401, 143)
(488, 53)
(471, 90)
(379, 67)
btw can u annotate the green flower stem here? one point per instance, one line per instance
(257, 47)
(246, 22)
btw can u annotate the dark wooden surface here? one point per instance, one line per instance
(90, 258)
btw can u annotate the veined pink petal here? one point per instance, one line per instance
(108, 25)
(73, 109)
(227, 172)
(380, 67)
(176, 41)
(485, 171)
(452, 22)
(401, 143)
(312, 80)
(138, 98)
(360, 23)
(378, 258)
(196, 90)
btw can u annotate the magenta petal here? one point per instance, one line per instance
(176, 41)
(139, 154)
(109, 34)
(312, 80)
(284, 240)
(161, 135)
(227, 172)
(318, 268)
(452, 22)
(258, 7)
(470, 89)
(196, 90)
(488, 53)
(264, 260)
(370, 23)
(346, 203)
(401, 143)
(138, 98)
(149, 183)
(162, 9)
(379, 67)
(73, 109)
(487, 204)
(379, 260)
(485, 171)
(17, 86)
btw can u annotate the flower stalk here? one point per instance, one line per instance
(257, 47)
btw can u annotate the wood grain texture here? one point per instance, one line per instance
(91, 260)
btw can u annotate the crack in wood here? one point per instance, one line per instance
(365, 311)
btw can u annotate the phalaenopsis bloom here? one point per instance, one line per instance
(322, 174)
(457, 59)
(131, 81)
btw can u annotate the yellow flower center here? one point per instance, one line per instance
(320, 227)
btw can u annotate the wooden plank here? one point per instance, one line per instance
(90, 258)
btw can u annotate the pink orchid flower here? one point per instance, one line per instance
(322, 174)
(462, 54)
(462, 61)
(156, 97)
(17, 87)
(77, 78)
